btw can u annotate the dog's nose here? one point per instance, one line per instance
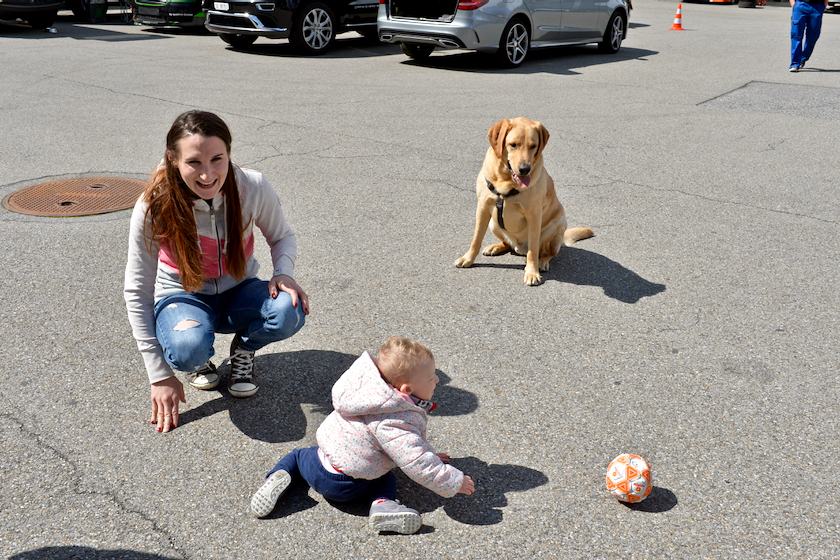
(524, 169)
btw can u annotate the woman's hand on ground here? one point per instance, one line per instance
(166, 395)
(285, 283)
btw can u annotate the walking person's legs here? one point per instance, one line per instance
(812, 30)
(798, 23)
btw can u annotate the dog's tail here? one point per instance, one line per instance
(576, 234)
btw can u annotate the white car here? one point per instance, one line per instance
(510, 28)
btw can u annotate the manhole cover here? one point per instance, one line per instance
(76, 197)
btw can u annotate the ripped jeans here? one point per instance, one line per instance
(186, 324)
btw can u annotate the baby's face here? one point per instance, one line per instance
(423, 381)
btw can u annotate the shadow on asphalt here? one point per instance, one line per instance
(585, 268)
(552, 60)
(492, 482)
(290, 379)
(350, 46)
(659, 501)
(83, 553)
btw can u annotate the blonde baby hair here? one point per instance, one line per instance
(398, 357)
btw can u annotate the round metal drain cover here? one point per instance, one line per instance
(76, 197)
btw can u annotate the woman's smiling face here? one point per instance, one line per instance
(203, 163)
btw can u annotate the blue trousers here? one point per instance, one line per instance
(304, 463)
(247, 309)
(805, 23)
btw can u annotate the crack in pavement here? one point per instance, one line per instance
(76, 483)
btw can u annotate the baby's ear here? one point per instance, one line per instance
(405, 388)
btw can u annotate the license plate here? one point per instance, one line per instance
(221, 6)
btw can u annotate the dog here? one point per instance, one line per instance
(516, 198)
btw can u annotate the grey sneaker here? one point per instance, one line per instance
(205, 378)
(794, 68)
(266, 497)
(390, 515)
(242, 382)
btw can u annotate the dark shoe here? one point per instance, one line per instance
(242, 382)
(205, 378)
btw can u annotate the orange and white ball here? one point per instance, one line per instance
(629, 478)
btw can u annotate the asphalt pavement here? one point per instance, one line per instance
(698, 328)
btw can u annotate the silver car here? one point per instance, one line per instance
(509, 28)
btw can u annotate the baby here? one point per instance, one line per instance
(379, 423)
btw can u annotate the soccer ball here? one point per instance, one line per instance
(629, 478)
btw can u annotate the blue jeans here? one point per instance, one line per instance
(304, 463)
(247, 310)
(805, 22)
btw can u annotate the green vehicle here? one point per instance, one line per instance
(181, 13)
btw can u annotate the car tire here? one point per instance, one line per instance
(614, 34)
(41, 21)
(313, 31)
(514, 44)
(76, 7)
(369, 33)
(239, 41)
(416, 52)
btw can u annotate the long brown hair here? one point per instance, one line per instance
(170, 203)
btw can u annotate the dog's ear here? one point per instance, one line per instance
(497, 134)
(543, 138)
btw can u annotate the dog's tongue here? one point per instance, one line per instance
(523, 182)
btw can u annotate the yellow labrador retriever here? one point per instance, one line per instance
(516, 197)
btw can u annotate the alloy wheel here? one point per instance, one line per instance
(516, 44)
(317, 29)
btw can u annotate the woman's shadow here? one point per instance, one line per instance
(290, 379)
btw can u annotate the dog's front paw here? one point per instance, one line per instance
(495, 249)
(533, 279)
(464, 262)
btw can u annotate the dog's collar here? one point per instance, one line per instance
(500, 201)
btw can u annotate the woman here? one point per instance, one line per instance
(191, 271)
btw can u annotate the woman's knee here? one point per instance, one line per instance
(188, 346)
(284, 319)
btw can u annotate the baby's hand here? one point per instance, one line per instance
(467, 487)
(443, 457)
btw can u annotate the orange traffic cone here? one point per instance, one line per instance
(677, 20)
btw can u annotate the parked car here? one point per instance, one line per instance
(180, 13)
(39, 14)
(310, 25)
(509, 28)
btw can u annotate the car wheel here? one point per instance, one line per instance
(41, 21)
(235, 40)
(613, 34)
(313, 31)
(369, 33)
(514, 45)
(416, 52)
(76, 7)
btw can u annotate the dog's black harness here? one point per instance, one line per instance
(500, 201)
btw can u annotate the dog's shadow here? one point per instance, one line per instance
(574, 265)
(585, 268)
(290, 379)
(483, 507)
